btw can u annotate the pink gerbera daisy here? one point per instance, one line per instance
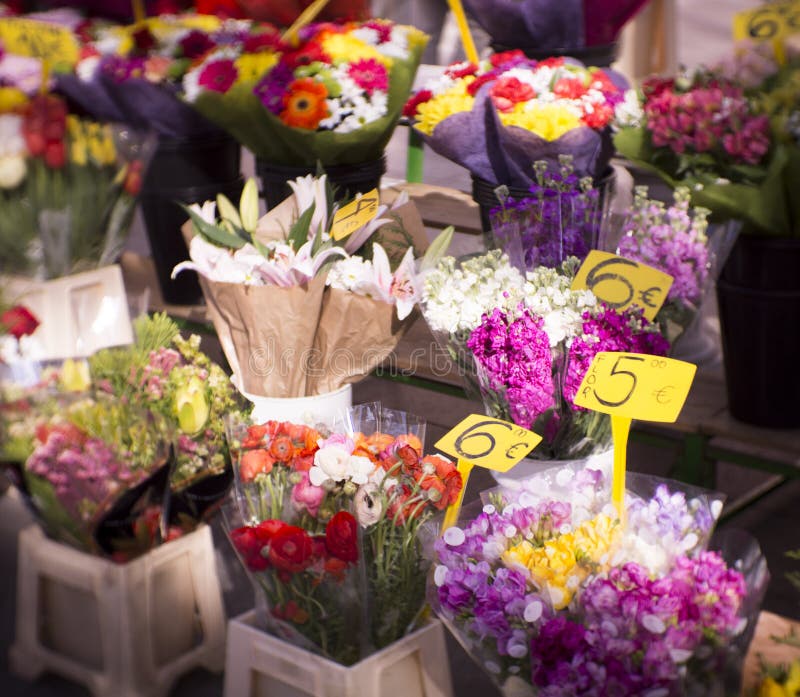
(370, 75)
(218, 76)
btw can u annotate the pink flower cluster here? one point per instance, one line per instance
(704, 119)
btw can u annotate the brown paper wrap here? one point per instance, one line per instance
(266, 333)
(355, 335)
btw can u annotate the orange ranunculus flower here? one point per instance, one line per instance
(255, 462)
(281, 448)
(378, 442)
(413, 441)
(304, 104)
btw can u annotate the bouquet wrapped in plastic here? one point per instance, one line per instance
(559, 217)
(307, 345)
(334, 98)
(518, 111)
(68, 186)
(336, 528)
(546, 26)
(97, 474)
(678, 241)
(553, 594)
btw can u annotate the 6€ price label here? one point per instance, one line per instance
(28, 37)
(620, 282)
(354, 215)
(771, 21)
(636, 385)
(487, 442)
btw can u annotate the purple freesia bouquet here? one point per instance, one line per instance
(676, 240)
(553, 595)
(559, 218)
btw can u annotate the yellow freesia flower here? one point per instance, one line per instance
(436, 110)
(548, 121)
(252, 66)
(344, 47)
(11, 98)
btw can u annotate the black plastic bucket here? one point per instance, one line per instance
(758, 294)
(347, 179)
(185, 171)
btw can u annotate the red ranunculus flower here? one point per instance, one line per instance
(291, 549)
(19, 321)
(508, 91)
(410, 109)
(341, 536)
(570, 88)
(247, 543)
(498, 59)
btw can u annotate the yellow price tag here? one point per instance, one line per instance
(620, 282)
(772, 21)
(27, 37)
(486, 442)
(636, 385)
(354, 215)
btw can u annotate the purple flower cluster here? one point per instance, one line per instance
(560, 219)
(273, 86)
(609, 330)
(516, 357)
(670, 240)
(83, 471)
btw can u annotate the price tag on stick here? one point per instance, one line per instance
(633, 386)
(772, 21)
(354, 215)
(621, 282)
(484, 441)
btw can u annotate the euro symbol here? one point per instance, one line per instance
(511, 452)
(645, 295)
(662, 396)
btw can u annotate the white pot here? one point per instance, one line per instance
(530, 466)
(312, 410)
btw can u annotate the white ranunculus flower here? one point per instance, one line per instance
(329, 463)
(368, 505)
(359, 469)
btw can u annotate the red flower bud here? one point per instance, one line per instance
(19, 321)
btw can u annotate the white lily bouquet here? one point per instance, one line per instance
(301, 310)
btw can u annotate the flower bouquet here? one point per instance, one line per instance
(560, 217)
(542, 27)
(553, 595)
(677, 241)
(97, 474)
(350, 512)
(307, 345)
(518, 111)
(333, 99)
(68, 186)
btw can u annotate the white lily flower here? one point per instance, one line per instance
(308, 191)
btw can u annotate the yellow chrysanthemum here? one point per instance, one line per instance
(251, 66)
(548, 121)
(344, 47)
(453, 101)
(11, 98)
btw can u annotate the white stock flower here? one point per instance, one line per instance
(629, 112)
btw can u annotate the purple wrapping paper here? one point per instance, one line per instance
(548, 25)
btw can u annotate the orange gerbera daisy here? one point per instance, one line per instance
(304, 104)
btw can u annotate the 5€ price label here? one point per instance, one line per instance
(621, 282)
(28, 37)
(488, 442)
(636, 385)
(354, 215)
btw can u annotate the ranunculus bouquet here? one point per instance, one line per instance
(552, 594)
(306, 345)
(336, 530)
(334, 98)
(527, 341)
(676, 240)
(97, 475)
(518, 111)
(68, 186)
(134, 74)
(729, 133)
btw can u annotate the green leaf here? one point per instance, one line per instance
(227, 211)
(437, 249)
(214, 233)
(298, 233)
(248, 206)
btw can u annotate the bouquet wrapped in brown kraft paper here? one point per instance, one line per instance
(316, 294)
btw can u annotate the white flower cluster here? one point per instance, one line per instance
(629, 113)
(456, 294)
(353, 107)
(548, 295)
